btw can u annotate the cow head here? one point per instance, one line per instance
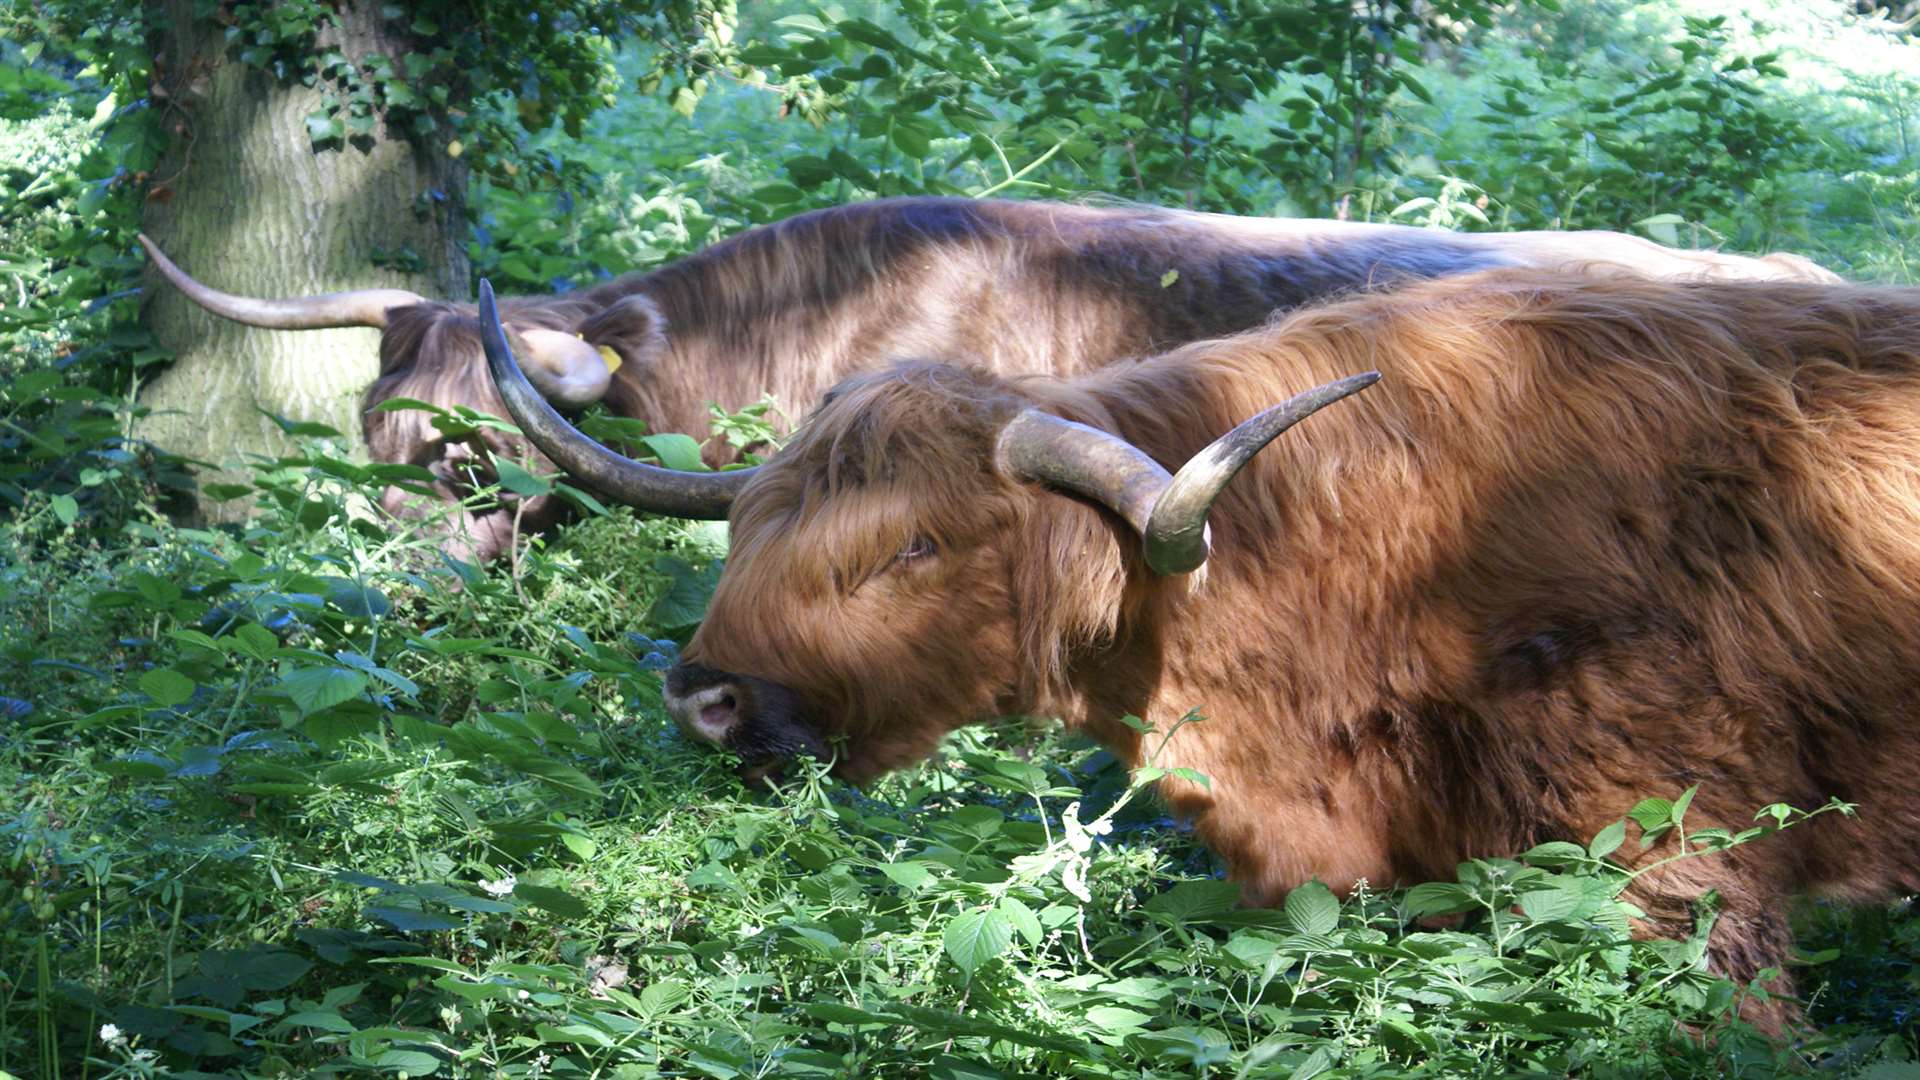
(430, 351)
(929, 550)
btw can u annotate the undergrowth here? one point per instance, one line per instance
(301, 797)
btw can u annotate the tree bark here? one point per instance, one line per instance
(244, 202)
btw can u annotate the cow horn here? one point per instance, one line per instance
(705, 496)
(1169, 512)
(361, 307)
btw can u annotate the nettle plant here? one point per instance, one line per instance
(1691, 145)
(368, 823)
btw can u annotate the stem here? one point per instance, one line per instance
(173, 931)
(513, 545)
(1015, 178)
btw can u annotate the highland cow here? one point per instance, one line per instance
(790, 309)
(1586, 540)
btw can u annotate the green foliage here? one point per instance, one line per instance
(301, 795)
(1693, 141)
(333, 815)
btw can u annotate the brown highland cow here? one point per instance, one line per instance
(1586, 541)
(790, 309)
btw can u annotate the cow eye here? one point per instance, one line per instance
(920, 547)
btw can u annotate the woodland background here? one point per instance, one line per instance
(277, 800)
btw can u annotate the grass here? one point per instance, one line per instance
(279, 800)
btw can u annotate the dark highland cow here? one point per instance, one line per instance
(1586, 540)
(793, 308)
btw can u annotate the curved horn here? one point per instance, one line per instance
(1169, 512)
(361, 307)
(1176, 536)
(704, 496)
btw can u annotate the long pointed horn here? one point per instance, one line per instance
(704, 496)
(1169, 512)
(1176, 537)
(361, 307)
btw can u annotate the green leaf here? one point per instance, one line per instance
(396, 404)
(409, 920)
(974, 937)
(676, 451)
(586, 502)
(322, 128)
(1563, 897)
(410, 1062)
(1022, 918)
(520, 481)
(1250, 949)
(167, 687)
(315, 688)
(1680, 805)
(948, 1067)
(1438, 898)
(809, 171)
(1192, 900)
(1193, 776)
(299, 427)
(684, 603)
(66, 509)
(1117, 1020)
(806, 23)
(838, 1013)
(255, 641)
(660, 996)
(1652, 815)
(912, 876)
(913, 140)
(1555, 853)
(1608, 840)
(196, 638)
(555, 901)
(1317, 1063)
(355, 599)
(577, 1034)
(323, 1021)
(1890, 1070)
(1313, 909)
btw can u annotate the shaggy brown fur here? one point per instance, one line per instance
(792, 308)
(1587, 541)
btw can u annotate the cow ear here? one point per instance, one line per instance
(635, 329)
(1069, 579)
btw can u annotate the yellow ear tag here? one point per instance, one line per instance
(610, 358)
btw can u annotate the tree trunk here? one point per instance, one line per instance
(246, 204)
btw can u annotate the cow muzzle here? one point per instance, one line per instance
(762, 721)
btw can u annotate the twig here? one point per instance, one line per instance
(1029, 167)
(513, 546)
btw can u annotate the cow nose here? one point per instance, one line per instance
(710, 713)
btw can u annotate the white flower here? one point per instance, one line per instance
(111, 1035)
(503, 887)
(524, 995)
